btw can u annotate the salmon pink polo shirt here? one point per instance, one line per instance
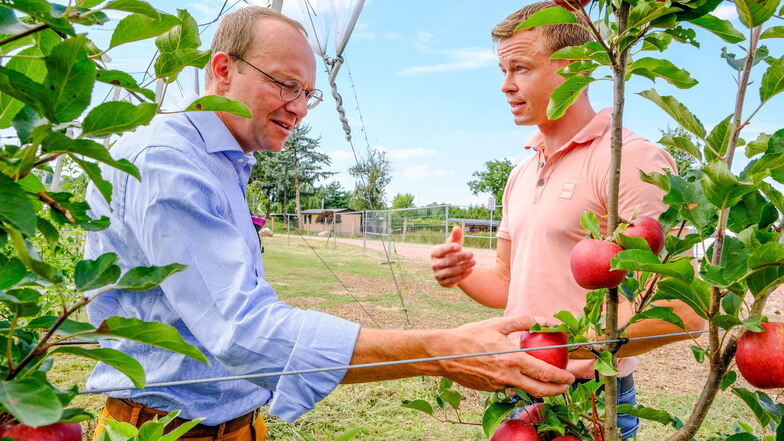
(543, 201)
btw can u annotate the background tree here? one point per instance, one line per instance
(673, 140)
(372, 177)
(287, 174)
(492, 179)
(403, 200)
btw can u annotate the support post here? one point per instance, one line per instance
(446, 222)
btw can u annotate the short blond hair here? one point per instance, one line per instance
(234, 35)
(554, 37)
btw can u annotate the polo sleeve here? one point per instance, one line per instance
(178, 213)
(635, 194)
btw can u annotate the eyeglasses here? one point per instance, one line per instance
(291, 89)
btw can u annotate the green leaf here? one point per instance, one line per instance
(182, 36)
(169, 64)
(565, 95)
(151, 333)
(677, 111)
(28, 256)
(420, 405)
(579, 67)
(648, 413)
(752, 402)
(728, 380)
(719, 138)
(23, 88)
(15, 206)
(568, 318)
(117, 117)
(771, 253)
(773, 80)
(34, 69)
(548, 16)
(590, 223)
(722, 188)
(70, 76)
(721, 28)
(696, 294)
(493, 416)
(71, 416)
(757, 146)
(451, 397)
(658, 41)
(629, 242)
(663, 313)
(56, 142)
(12, 271)
(136, 6)
(47, 230)
(726, 321)
(444, 384)
(124, 80)
(9, 24)
(217, 103)
(699, 353)
(180, 430)
(663, 69)
(604, 364)
(24, 300)
(773, 32)
(67, 328)
(682, 143)
(140, 27)
(675, 245)
(30, 401)
(753, 323)
(643, 13)
(645, 260)
(94, 173)
(92, 274)
(588, 51)
(655, 178)
(143, 278)
(114, 358)
(731, 303)
(119, 431)
(755, 12)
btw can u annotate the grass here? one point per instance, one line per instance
(301, 279)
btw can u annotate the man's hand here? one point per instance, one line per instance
(450, 263)
(491, 373)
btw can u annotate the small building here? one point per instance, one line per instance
(346, 222)
(476, 225)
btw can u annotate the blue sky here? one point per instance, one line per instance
(427, 83)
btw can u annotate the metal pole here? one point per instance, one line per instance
(277, 5)
(288, 228)
(334, 232)
(446, 222)
(490, 242)
(364, 231)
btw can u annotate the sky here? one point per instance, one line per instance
(421, 82)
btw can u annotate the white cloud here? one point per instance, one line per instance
(458, 59)
(422, 172)
(424, 36)
(726, 12)
(340, 154)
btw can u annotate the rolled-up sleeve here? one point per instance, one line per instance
(181, 214)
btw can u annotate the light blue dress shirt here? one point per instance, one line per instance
(190, 208)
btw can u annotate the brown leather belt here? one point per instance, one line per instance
(137, 414)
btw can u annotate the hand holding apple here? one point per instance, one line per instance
(558, 357)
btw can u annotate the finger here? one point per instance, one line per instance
(514, 323)
(539, 388)
(444, 249)
(456, 236)
(543, 371)
(451, 282)
(451, 260)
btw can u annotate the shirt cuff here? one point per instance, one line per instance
(324, 341)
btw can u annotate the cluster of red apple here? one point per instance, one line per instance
(590, 258)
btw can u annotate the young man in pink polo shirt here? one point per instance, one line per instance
(546, 194)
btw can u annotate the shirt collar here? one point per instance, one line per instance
(596, 128)
(217, 137)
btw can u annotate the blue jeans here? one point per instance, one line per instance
(627, 424)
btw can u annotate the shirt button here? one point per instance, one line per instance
(541, 164)
(540, 183)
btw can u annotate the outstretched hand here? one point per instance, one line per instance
(450, 263)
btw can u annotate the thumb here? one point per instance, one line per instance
(457, 235)
(507, 325)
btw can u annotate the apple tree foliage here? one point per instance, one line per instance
(50, 70)
(736, 216)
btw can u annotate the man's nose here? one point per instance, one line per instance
(298, 106)
(508, 85)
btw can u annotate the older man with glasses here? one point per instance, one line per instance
(189, 207)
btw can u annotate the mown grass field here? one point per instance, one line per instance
(668, 378)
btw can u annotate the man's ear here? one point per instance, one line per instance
(220, 66)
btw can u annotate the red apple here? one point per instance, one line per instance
(532, 414)
(649, 229)
(567, 437)
(515, 430)
(760, 356)
(571, 5)
(558, 357)
(52, 432)
(590, 262)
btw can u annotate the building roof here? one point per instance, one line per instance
(325, 210)
(476, 222)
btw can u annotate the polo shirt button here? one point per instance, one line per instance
(540, 183)
(541, 164)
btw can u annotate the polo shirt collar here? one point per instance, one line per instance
(596, 128)
(216, 135)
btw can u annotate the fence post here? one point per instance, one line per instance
(288, 228)
(490, 242)
(334, 232)
(389, 228)
(446, 222)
